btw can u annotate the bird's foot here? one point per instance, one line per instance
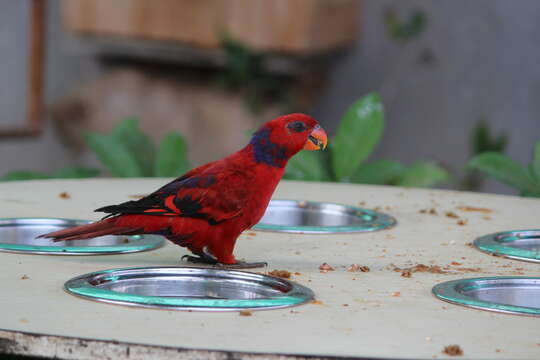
(201, 259)
(241, 265)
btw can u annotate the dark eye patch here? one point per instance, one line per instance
(297, 126)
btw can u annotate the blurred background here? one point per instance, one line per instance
(455, 79)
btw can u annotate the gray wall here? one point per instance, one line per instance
(486, 66)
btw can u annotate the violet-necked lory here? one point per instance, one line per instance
(207, 208)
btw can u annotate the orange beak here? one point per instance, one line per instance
(317, 140)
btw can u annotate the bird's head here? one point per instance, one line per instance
(279, 139)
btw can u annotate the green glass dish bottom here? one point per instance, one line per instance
(188, 288)
(296, 216)
(18, 235)
(517, 244)
(513, 295)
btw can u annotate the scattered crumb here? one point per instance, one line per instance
(245, 313)
(387, 208)
(358, 268)
(377, 208)
(281, 273)
(297, 273)
(125, 240)
(396, 294)
(498, 350)
(294, 312)
(463, 222)
(422, 211)
(24, 321)
(469, 244)
(486, 217)
(24, 277)
(317, 302)
(362, 203)
(452, 215)
(136, 196)
(297, 253)
(455, 263)
(324, 267)
(465, 269)
(432, 211)
(453, 350)
(390, 236)
(345, 305)
(477, 209)
(251, 233)
(64, 195)
(407, 272)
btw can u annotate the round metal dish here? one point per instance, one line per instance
(518, 244)
(188, 288)
(320, 218)
(18, 235)
(514, 295)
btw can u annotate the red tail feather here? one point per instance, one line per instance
(88, 231)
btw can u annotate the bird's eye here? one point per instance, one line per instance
(297, 126)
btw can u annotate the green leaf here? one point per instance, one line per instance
(24, 175)
(384, 172)
(171, 159)
(114, 155)
(137, 143)
(75, 172)
(358, 133)
(535, 164)
(503, 169)
(423, 174)
(307, 166)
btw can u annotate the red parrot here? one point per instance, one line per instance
(207, 208)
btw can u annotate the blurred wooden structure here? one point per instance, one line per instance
(283, 26)
(36, 62)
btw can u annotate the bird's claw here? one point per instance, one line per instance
(199, 259)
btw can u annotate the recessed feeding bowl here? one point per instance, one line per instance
(518, 244)
(187, 288)
(320, 218)
(514, 295)
(19, 235)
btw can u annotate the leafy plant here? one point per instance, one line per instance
(405, 29)
(483, 140)
(64, 173)
(357, 135)
(125, 152)
(510, 172)
(244, 70)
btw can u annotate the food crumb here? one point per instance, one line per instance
(432, 211)
(251, 233)
(64, 195)
(23, 321)
(317, 302)
(453, 350)
(361, 203)
(325, 267)
(356, 268)
(463, 222)
(452, 215)
(138, 196)
(406, 273)
(486, 217)
(281, 273)
(24, 277)
(245, 313)
(125, 240)
(345, 305)
(477, 209)
(498, 350)
(396, 294)
(455, 263)
(297, 273)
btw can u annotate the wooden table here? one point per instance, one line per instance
(358, 314)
